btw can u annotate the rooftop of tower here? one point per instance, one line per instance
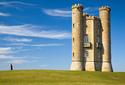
(104, 8)
(77, 6)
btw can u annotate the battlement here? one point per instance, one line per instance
(90, 17)
(77, 6)
(104, 8)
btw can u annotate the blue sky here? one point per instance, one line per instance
(36, 34)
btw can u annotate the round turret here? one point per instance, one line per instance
(77, 37)
(104, 14)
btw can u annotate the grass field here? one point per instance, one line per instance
(53, 77)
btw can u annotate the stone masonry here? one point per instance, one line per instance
(91, 40)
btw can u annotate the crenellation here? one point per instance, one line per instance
(90, 17)
(104, 8)
(77, 6)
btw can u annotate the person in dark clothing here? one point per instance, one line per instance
(11, 66)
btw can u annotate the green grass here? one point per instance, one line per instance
(53, 77)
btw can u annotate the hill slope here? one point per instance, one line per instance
(51, 77)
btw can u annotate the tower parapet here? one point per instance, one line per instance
(77, 6)
(104, 8)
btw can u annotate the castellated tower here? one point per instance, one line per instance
(104, 14)
(91, 40)
(77, 37)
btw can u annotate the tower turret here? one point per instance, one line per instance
(104, 14)
(77, 37)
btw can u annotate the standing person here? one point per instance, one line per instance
(11, 66)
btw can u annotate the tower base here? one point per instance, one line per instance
(76, 66)
(89, 66)
(106, 67)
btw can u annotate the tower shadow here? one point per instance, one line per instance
(98, 60)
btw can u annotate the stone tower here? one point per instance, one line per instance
(104, 14)
(77, 37)
(91, 40)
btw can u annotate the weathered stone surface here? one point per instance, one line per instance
(95, 32)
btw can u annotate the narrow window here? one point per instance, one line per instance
(73, 39)
(73, 54)
(86, 38)
(73, 25)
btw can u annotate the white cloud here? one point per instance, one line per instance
(14, 3)
(57, 12)
(8, 52)
(29, 30)
(17, 39)
(4, 14)
(46, 45)
(4, 51)
(12, 59)
(91, 10)
(67, 13)
(18, 61)
(35, 45)
(6, 57)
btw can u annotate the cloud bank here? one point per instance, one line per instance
(57, 12)
(30, 31)
(4, 14)
(14, 3)
(14, 39)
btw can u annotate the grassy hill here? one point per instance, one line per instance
(52, 77)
